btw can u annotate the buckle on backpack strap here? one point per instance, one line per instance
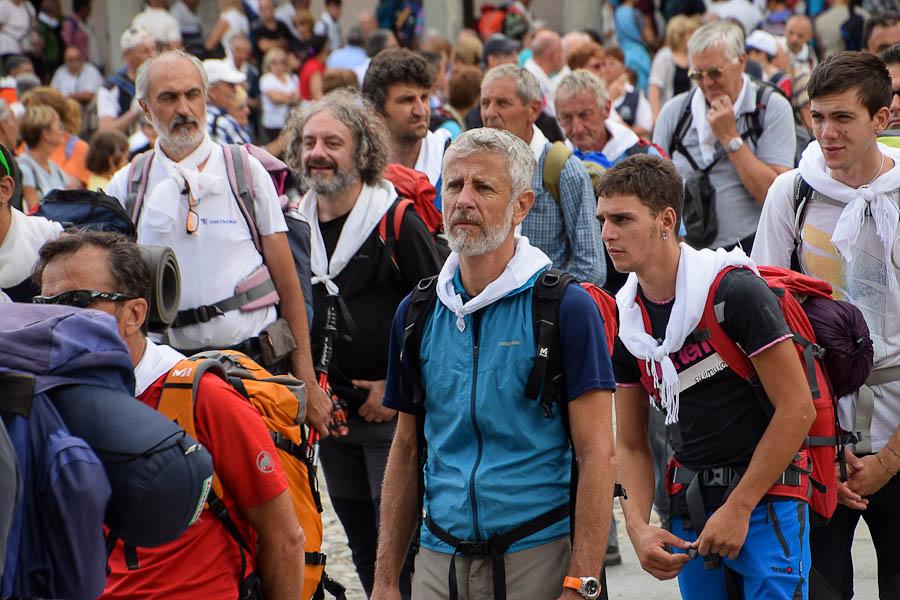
(717, 476)
(474, 549)
(207, 312)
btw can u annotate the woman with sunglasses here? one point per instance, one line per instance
(21, 236)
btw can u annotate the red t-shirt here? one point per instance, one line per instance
(205, 562)
(310, 67)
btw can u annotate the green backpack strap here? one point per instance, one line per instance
(554, 162)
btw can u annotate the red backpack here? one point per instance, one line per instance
(817, 482)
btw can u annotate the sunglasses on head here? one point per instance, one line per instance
(80, 298)
(697, 75)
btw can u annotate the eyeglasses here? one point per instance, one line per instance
(5, 164)
(715, 74)
(193, 218)
(80, 298)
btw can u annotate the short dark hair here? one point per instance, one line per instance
(882, 19)
(105, 144)
(129, 272)
(15, 61)
(651, 179)
(849, 70)
(397, 65)
(891, 56)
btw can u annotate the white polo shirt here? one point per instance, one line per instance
(220, 254)
(88, 79)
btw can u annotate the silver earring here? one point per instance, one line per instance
(665, 235)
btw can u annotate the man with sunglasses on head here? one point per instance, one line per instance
(105, 272)
(727, 135)
(237, 292)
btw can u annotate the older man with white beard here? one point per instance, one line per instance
(234, 293)
(339, 146)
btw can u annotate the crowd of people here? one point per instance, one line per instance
(453, 189)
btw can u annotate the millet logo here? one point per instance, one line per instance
(783, 570)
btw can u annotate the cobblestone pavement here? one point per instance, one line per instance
(626, 581)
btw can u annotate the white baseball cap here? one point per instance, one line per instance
(762, 41)
(134, 37)
(222, 70)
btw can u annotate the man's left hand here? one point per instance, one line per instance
(867, 476)
(724, 533)
(721, 119)
(372, 410)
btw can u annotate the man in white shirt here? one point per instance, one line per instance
(848, 237)
(156, 20)
(546, 59)
(185, 202)
(398, 83)
(329, 25)
(116, 108)
(76, 78)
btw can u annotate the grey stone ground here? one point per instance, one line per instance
(626, 581)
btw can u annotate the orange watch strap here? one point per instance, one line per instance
(572, 582)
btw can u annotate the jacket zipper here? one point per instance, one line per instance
(476, 323)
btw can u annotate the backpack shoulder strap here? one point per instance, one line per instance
(545, 379)
(138, 174)
(710, 329)
(803, 193)
(763, 93)
(554, 163)
(681, 128)
(389, 236)
(237, 168)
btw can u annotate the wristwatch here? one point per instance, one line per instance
(734, 144)
(588, 587)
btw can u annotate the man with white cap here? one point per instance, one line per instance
(116, 108)
(223, 82)
(763, 48)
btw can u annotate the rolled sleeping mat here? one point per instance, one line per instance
(166, 292)
(160, 476)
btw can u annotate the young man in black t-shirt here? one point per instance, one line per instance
(339, 147)
(720, 431)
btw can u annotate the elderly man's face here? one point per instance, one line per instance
(501, 108)
(798, 33)
(716, 74)
(583, 120)
(327, 155)
(73, 59)
(176, 104)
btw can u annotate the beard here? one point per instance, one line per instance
(472, 243)
(181, 140)
(325, 185)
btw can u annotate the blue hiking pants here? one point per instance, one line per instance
(773, 563)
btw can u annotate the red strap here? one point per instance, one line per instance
(399, 211)
(728, 350)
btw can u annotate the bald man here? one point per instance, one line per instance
(546, 60)
(799, 31)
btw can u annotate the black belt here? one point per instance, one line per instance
(495, 547)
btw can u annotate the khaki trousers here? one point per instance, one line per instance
(533, 574)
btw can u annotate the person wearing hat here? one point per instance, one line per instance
(223, 82)
(763, 48)
(115, 99)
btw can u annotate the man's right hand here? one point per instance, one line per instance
(650, 546)
(318, 409)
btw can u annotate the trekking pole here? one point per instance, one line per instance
(338, 423)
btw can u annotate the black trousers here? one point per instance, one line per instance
(830, 545)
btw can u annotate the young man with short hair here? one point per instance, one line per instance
(727, 451)
(849, 237)
(205, 561)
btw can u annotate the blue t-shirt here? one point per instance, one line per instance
(586, 360)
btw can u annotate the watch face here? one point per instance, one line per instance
(591, 588)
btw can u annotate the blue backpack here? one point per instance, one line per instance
(86, 209)
(118, 457)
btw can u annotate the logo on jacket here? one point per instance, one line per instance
(783, 570)
(264, 462)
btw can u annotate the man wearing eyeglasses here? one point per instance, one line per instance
(721, 139)
(233, 295)
(105, 272)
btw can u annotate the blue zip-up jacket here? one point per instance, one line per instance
(494, 461)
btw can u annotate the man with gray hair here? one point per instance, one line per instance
(494, 477)
(562, 223)
(369, 250)
(729, 138)
(547, 59)
(178, 195)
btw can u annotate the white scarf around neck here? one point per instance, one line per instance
(371, 205)
(697, 269)
(19, 249)
(621, 138)
(879, 198)
(698, 115)
(538, 142)
(526, 261)
(156, 361)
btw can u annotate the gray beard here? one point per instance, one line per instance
(330, 186)
(466, 244)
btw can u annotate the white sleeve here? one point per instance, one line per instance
(92, 79)
(118, 185)
(269, 218)
(57, 83)
(320, 28)
(268, 83)
(774, 241)
(108, 102)
(644, 117)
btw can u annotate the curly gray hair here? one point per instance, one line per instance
(519, 159)
(370, 146)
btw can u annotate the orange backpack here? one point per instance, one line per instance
(281, 402)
